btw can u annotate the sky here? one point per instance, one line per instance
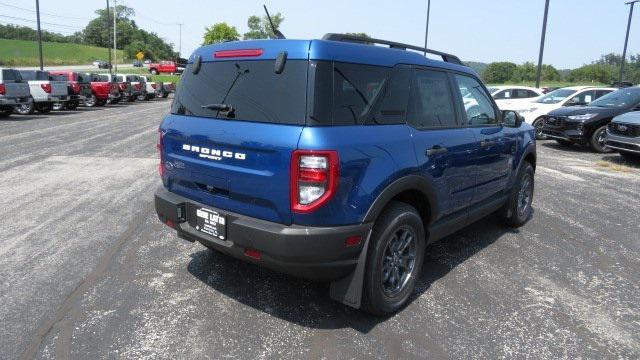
(578, 31)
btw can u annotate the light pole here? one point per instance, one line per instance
(426, 33)
(626, 39)
(115, 51)
(40, 34)
(544, 30)
(108, 35)
(180, 41)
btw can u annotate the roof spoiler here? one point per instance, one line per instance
(393, 45)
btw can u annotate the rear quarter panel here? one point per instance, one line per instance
(371, 158)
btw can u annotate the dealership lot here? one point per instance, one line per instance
(88, 271)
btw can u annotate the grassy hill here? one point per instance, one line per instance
(25, 53)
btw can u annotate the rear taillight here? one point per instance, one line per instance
(75, 88)
(153, 86)
(3, 90)
(314, 179)
(137, 86)
(46, 87)
(123, 86)
(160, 147)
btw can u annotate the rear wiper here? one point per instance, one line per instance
(225, 109)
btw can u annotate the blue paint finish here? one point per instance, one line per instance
(371, 157)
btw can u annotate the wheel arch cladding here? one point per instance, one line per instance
(413, 190)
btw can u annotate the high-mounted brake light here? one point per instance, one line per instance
(3, 90)
(237, 53)
(46, 88)
(313, 179)
(123, 86)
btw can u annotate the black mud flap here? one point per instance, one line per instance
(348, 290)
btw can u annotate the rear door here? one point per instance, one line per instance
(492, 151)
(443, 148)
(237, 159)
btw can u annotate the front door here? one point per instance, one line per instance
(492, 151)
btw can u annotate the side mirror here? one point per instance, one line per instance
(511, 118)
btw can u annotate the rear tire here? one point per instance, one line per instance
(154, 72)
(539, 124)
(26, 109)
(45, 108)
(72, 105)
(597, 140)
(58, 106)
(517, 210)
(91, 101)
(394, 259)
(101, 102)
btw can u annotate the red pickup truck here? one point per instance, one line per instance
(102, 90)
(166, 66)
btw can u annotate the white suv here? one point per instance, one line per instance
(509, 97)
(534, 111)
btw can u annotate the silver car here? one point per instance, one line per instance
(623, 135)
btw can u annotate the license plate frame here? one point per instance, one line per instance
(211, 222)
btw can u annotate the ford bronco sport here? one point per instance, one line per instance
(338, 160)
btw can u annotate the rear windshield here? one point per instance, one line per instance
(11, 75)
(34, 75)
(251, 88)
(119, 78)
(82, 78)
(103, 78)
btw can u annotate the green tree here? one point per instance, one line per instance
(499, 72)
(525, 73)
(260, 28)
(220, 32)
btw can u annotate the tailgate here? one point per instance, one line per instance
(59, 88)
(16, 90)
(238, 166)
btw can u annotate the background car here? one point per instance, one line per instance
(623, 135)
(510, 97)
(535, 110)
(587, 125)
(137, 63)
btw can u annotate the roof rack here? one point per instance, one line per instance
(393, 45)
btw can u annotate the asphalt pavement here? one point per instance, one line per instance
(87, 270)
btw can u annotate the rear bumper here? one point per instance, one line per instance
(317, 253)
(6, 101)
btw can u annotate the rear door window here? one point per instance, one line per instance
(431, 103)
(252, 89)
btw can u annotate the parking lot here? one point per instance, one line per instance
(88, 271)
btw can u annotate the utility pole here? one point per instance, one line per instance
(544, 30)
(109, 35)
(115, 51)
(40, 34)
(180, 41)
(426, 33)
(626, 39)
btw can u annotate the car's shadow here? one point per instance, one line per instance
(571, 148)
(307, 303)
(617, 159)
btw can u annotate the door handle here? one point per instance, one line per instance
(436, 150)
(487, 143)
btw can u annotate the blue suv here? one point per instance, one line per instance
(338, 159)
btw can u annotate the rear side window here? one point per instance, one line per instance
(11, 75)
(431, 104)
(58, 78)
(356, 94)
(34, 75)
(252, 89)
